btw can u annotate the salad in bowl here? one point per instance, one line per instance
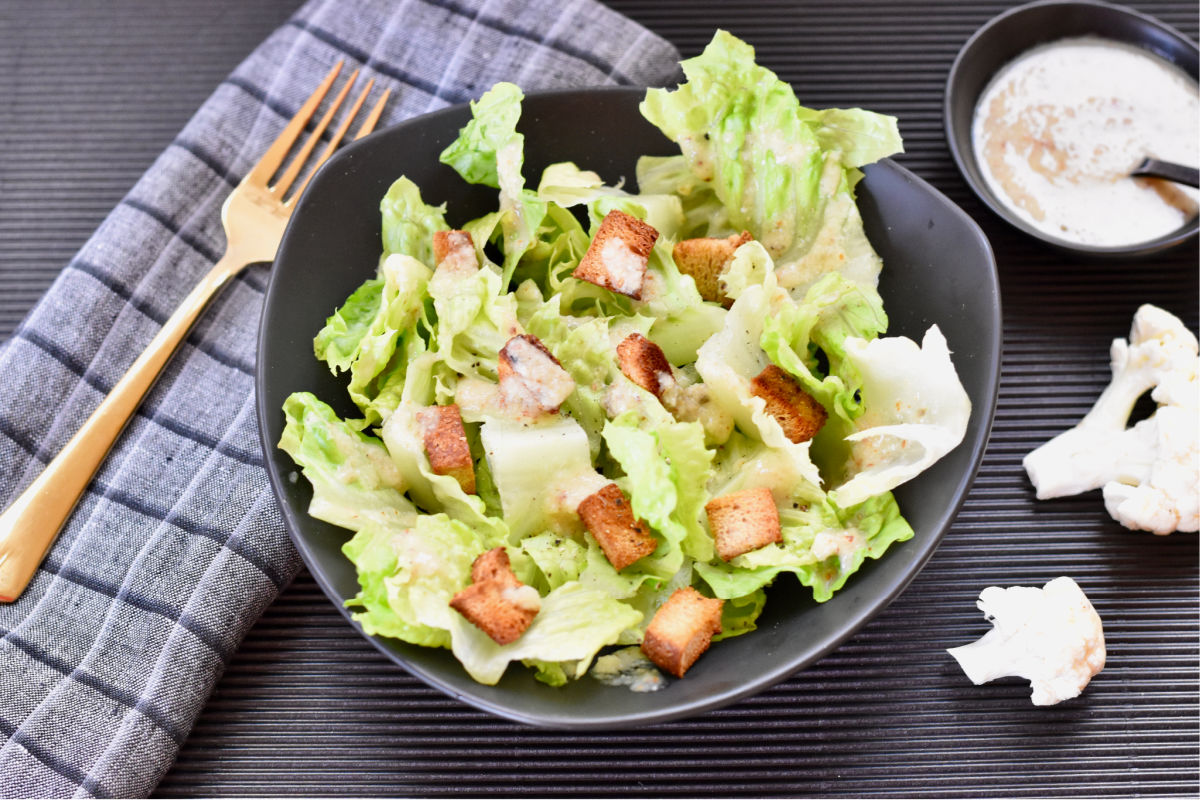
(594, 425)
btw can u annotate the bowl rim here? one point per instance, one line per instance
(964, 154)
(860, 615)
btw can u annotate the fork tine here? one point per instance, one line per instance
(335, 139)
(270, 161)
(372, 118)
(285, 180)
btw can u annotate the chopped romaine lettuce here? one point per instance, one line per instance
(783, 172)
(355, 482)
(408, 223)
(800, 296)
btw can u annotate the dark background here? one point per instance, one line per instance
(93, 91)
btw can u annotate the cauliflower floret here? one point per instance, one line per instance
(1150, 473)
(1052, 636)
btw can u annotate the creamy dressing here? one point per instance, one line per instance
(538, 379)
(526, 598)
(460, 261)
(844, 544)
(625, 268)
(1059, 129)
(692, 402)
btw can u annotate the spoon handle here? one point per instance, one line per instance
(1153, 168)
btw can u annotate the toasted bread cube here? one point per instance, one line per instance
(609, 518)
(530, 375)
(706, 259)
(446, 444)
(496, 602)
(617, 257)
(743, 521)
(798, 412)
(682, 630)
(455, 250)
(493, 566)
(644, 363)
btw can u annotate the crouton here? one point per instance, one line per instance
(798, 412)
(618, 254)
(609, 518)
(494, 567)
(454, 251)
(643, 362)
(446, 444)
(496, 602)
(705, 260)
(743, 521)
(682, 630)
(531, 377)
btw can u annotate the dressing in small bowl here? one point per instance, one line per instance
(1059, 129)
(1050, 105)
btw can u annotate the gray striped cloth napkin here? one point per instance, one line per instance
(178, 545)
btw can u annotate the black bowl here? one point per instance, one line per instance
(938, 268)
(1014, 32)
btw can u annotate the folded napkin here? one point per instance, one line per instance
(178, 546)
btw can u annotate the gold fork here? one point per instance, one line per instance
(254, 216)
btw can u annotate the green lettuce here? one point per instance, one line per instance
(542, 471)
(573, 624)
(490, 151)
(355, 483)
(388, 563)
(703, 213)
(475, 318)
(822, 546)
(873, 525)
(433, 492)
(409, 223)
(666, 468)
(803, 298)
(364, 335)
(915, 410)
(783, 172)
(832, 310)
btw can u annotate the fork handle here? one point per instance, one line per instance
(30, 525)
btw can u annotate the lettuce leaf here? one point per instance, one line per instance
(489, 150)
(822, 546)
(573, 624)
(393, 565)
(832, 310)
(703, 213)
(560, 559)
(475, 318)
(542, 470)
(409, 223)
(355, 484)
(915, 411)
(866, 531)
(783, 172)
(666, 470)
(364, 335)
(433, 493)
(480, 147)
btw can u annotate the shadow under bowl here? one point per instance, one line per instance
(1013, 33)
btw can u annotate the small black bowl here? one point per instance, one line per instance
(1014, 32)
(938, 268)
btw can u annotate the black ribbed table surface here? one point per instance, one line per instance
(93, 93)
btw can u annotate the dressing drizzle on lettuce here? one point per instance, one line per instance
(804, 299)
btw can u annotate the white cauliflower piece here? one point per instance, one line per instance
(1150, 473)
(1052, 636)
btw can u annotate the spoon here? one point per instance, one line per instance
(1153, 168)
